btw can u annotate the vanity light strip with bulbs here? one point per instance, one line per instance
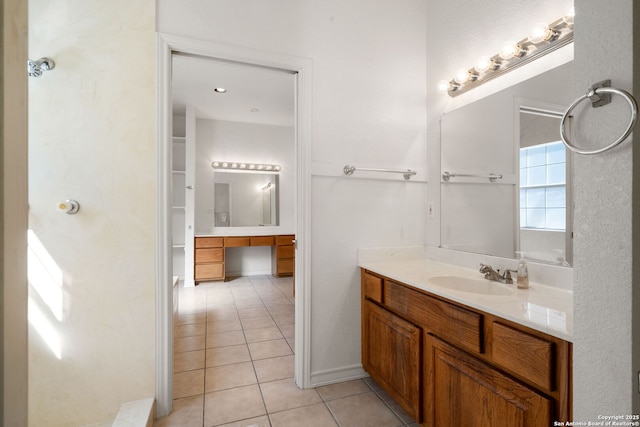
(543, 39)
(245, 167)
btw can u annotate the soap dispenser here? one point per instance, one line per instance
(523, 273)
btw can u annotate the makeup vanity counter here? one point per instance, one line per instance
(450, 357)
(210, 256)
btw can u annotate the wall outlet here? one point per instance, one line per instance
(431, 210)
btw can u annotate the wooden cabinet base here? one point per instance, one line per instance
(210, 258)
(468, 392)
(392, 356)
(475, 368)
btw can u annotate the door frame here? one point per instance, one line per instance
(168, 44)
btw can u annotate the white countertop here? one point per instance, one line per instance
(243, 231)
(543, 308)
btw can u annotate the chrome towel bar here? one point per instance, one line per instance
(448, 175)
(350, 169)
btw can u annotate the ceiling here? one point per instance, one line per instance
(249, 88)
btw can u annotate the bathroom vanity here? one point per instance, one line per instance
(210, 254)
(448, 356)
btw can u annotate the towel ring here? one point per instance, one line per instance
(594, 95)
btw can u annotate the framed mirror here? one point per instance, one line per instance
(489, 137)
(246, 199)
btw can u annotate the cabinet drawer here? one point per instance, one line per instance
(457, 325)
(209, 271)
(285, 266)
(284, 251)
(286, 239)
(232, 242)
(262, 240)
(209, 242)
(372, 286)
(203, 255)
(524, 354)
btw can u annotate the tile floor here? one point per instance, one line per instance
(233, 365)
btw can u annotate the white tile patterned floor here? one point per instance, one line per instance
(233, 365)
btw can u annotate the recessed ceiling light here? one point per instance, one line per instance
(220, 90)
(254, 110)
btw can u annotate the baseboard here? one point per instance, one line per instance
(248, 273)
(332, 376)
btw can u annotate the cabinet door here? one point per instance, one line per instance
(460, 390)
(391, 355)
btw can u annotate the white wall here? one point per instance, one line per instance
(91, 137)
(368, 107)
(244, 142)
(606, 361)
(13, 214)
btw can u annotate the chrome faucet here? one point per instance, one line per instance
(491, 274)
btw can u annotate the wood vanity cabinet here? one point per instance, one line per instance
(209, 256)
(209, 259)
(463, 391)
(392, 355)
(283, 256)
(473, 368)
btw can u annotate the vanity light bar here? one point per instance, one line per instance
(246, 167)
(544, 39)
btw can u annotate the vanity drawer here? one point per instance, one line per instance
(285, 266)
(262, 240)
(457, 325)
(209, 255)
(209, 242)
(284, 251)
(209, 271)
(232, 242)
(524, 354)
(285, 239)
(372, 286)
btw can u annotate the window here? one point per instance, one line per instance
(543, 181)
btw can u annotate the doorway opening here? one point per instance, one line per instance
(199, 218)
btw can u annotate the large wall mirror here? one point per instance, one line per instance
(245, 199)
(514, 135)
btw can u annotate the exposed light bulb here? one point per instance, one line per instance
(276, 167)
(542, 33)
(511, 49)
(215, 164)
(443, 85)
(461, 76)
(252, 166)
(225, 165)
(485, 64)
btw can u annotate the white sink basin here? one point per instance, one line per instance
(470, 285)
